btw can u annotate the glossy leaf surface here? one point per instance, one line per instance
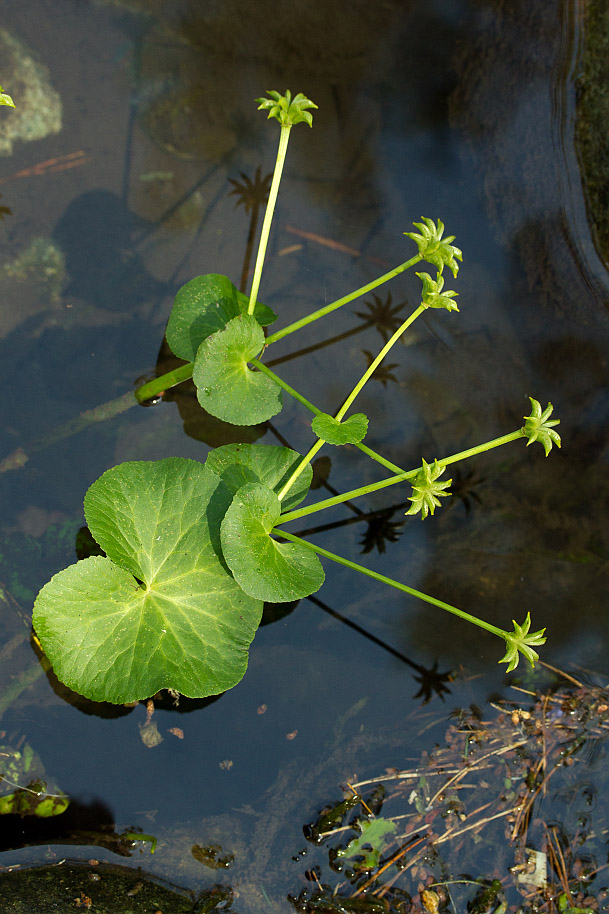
(203, 306)
(349, 431)
(238, 464)
(160, 611)
(266, 569)
(226, 386)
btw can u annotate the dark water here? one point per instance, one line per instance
(460, 111)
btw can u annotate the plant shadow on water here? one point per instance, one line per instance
(321, 702)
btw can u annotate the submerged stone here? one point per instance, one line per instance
(38, 110)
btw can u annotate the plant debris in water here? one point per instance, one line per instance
(501, 817)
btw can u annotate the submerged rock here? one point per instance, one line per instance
(38, 110)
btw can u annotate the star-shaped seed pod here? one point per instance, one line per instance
(433, 296)
(433, 248)
(427, 491)
(539, 426)
(521, 640)
(287, 110)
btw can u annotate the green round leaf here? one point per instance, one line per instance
(238, 464)
(226, 386)
(161, 611)
(203, 306)
(350, 431)
(277, 572)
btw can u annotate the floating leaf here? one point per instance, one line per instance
(6, 99)
(203, 306)
(350, 431)
(266, 569)
(226, 386)
(371, 843)
(238, 464)
(161, 611)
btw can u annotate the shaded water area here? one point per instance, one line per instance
(131, 166)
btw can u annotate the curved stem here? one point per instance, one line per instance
(268, 216)
(315, 315)
(493, 629)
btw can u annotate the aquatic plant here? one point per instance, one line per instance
(192, 550)
(6, 99)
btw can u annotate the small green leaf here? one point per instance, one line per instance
(432, 295)
(287, 111)
(539, 426)
(203, 306)
(433, 248)
(238, 464)
(350, 431)
(276, 572)
(226, 386)
(427, 491)
(371, 843)
(6, 99)
(161, 611)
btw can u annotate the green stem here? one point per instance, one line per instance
(303, 463)
(349, 401)
(317, 412)
(397, 584)
(164, 382)
(377, 361)
(285, 386)
(393, 480)
(315, 315)
(268, 216)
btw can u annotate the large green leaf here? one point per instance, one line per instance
(349, 431)
(204, 305)
(161, 611)
(277, 572)
(226, 386)
(238, 464)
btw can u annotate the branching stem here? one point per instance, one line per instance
(393, 480)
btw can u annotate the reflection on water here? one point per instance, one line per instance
(460, 111)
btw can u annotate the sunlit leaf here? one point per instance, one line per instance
(372, 841)
(238, 464)
(349, 431)
(264, 568)
(160, 611)
(226, 386)
(204, 305)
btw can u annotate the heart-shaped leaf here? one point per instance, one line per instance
(161, 611)
(204, 305)
(226, 386)
(277, 572)
(350, 431)
(238, 464)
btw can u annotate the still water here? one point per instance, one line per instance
(118, 186)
